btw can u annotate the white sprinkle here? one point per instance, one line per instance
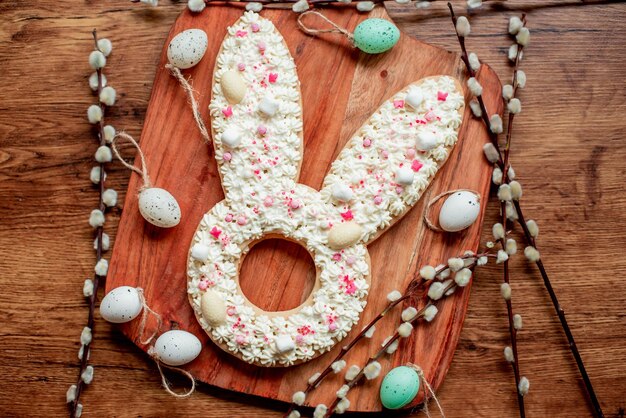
(504, 193)
(108, 96)
(523, 386)
(427, 272)
(455, 264)
(475, 106)
(474, 86)
(87, 375)
(93, 81)
(372, 370)
(508, 354)
(97, 60)
(502, 257)
(516, 190)
(523, 37)
(370, 332)
(300, 6)
(96, 218)
(343, 391)
(521, 79)
(435, 291)
(533, 228)
(517, 321)
(496, 176)
(430, 312)
(474, 61)
(70, 395)
(298, 398)
(254, 6)
(511, 246)
(352, 372)
(314, 378)
(94, 114)
(514, 106)
(196, 6)
(462, 277)
(394, 296)
(532, 254)
(463, 26)
(495, 124)
(102, 267)
(365, 6)
(320, 411)
(491, 153)
(505, 291)
(103, 154)
(109, 133)
(85, 336)
(409, 314)
(109, 197)
(338, 366)
(88, 288)
(507, 91)
(515, 24)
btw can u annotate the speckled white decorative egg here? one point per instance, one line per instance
(159, 207)
(187, 48)
(459, 211)
(177, 347)
(120, 305)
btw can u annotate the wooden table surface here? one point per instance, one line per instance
(568, 150)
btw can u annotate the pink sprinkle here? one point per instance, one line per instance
(399, 190)
(241, 220)
(203, 285)
(367, 142)
(231, 310)
(441, 96)
(378, 200)
(299, 339)
(261, 45)
(241, 33)
(332, 326)
(398, 104)
(262, 130)
(268, 202)
(228, 112)
(410, 153)
(227, 156)
(430, 116)
(229, 218)
(273, 77)
(215, 232)
(241, 66)
(350, 286)
(347, 215)
(350, 260)
(240, 339)
(337, 257)
(255, 27)
(295, 204)
(416, 165)
(385, 153)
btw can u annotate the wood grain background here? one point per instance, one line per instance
(569, 153)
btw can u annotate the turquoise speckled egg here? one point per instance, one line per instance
(376, 35)
(399, 387)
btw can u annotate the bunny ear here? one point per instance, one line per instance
(386, 166)
(256, 110)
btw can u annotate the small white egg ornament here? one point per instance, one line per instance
(177, 347)
(159, 207)
(120, 305)
(459, 211)
(187, 48)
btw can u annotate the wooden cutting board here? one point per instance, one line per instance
(340, 89)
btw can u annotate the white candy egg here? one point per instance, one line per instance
(459, 211)
(159, 207)
(177, 347)
(122, 304)
(187, 48)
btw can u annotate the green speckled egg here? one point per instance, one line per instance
(399, 387)
(376, 35)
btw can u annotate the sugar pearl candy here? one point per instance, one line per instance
(187, 48)
(122, 304)
(459, 211)
(159, 207)
(177, 347)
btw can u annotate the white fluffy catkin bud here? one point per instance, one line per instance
(511, 246)
(533, 228)
(495, 124)
(94, 175)
(455, 264)
(474, 61)
(496, 176)
(85, 336)
(343, 391)
(87, 375)
(532, 254)
(300, 6)
(93, 81)
(462, 277)
(427, 272)
(524, 386)
(505, 291)
(504, 193)
(94, 114)
(294, 414)
(96, 218)
(521, 79)
(392, 347)
(422, 4)
(196, 6)
(106, 241)
(370, 332)
(298, 398)
(515, 24)
(523, 37)
(474, 86)
(88, 288)
(491, 153)
(516, 190)
(103, 154)
(507, 91)
(409, 314)
(394, 296)
(105, 46)
(102, 267)
(109, 197)
(372, 370)
(463, 27)
(320, 411)
(70, 395)
(511, 212)
(508, 354)
(435, 291)
(405, 329)
(108, 96)
(502, 257)
(342, 405)
(97, 60)
(254, 6)
(352, 372)
(365, 6)
(512, 55)
(517, 321)
(514, 106)
(109, 133)
(498, 231)
(475, 106)
(473, 4)
(313, 378)
(430, 312)
(338, 366)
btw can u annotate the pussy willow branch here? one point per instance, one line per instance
(547, 283)
(412, 287)
(99, 231)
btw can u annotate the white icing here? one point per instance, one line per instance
(262, 197)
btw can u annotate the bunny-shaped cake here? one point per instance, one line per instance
(256, 115)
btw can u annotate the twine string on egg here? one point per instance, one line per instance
(144, 318)
(313, 32)
(428, 391)
(143, 172)
(432, 225)
(166, 383)
(176, 73)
